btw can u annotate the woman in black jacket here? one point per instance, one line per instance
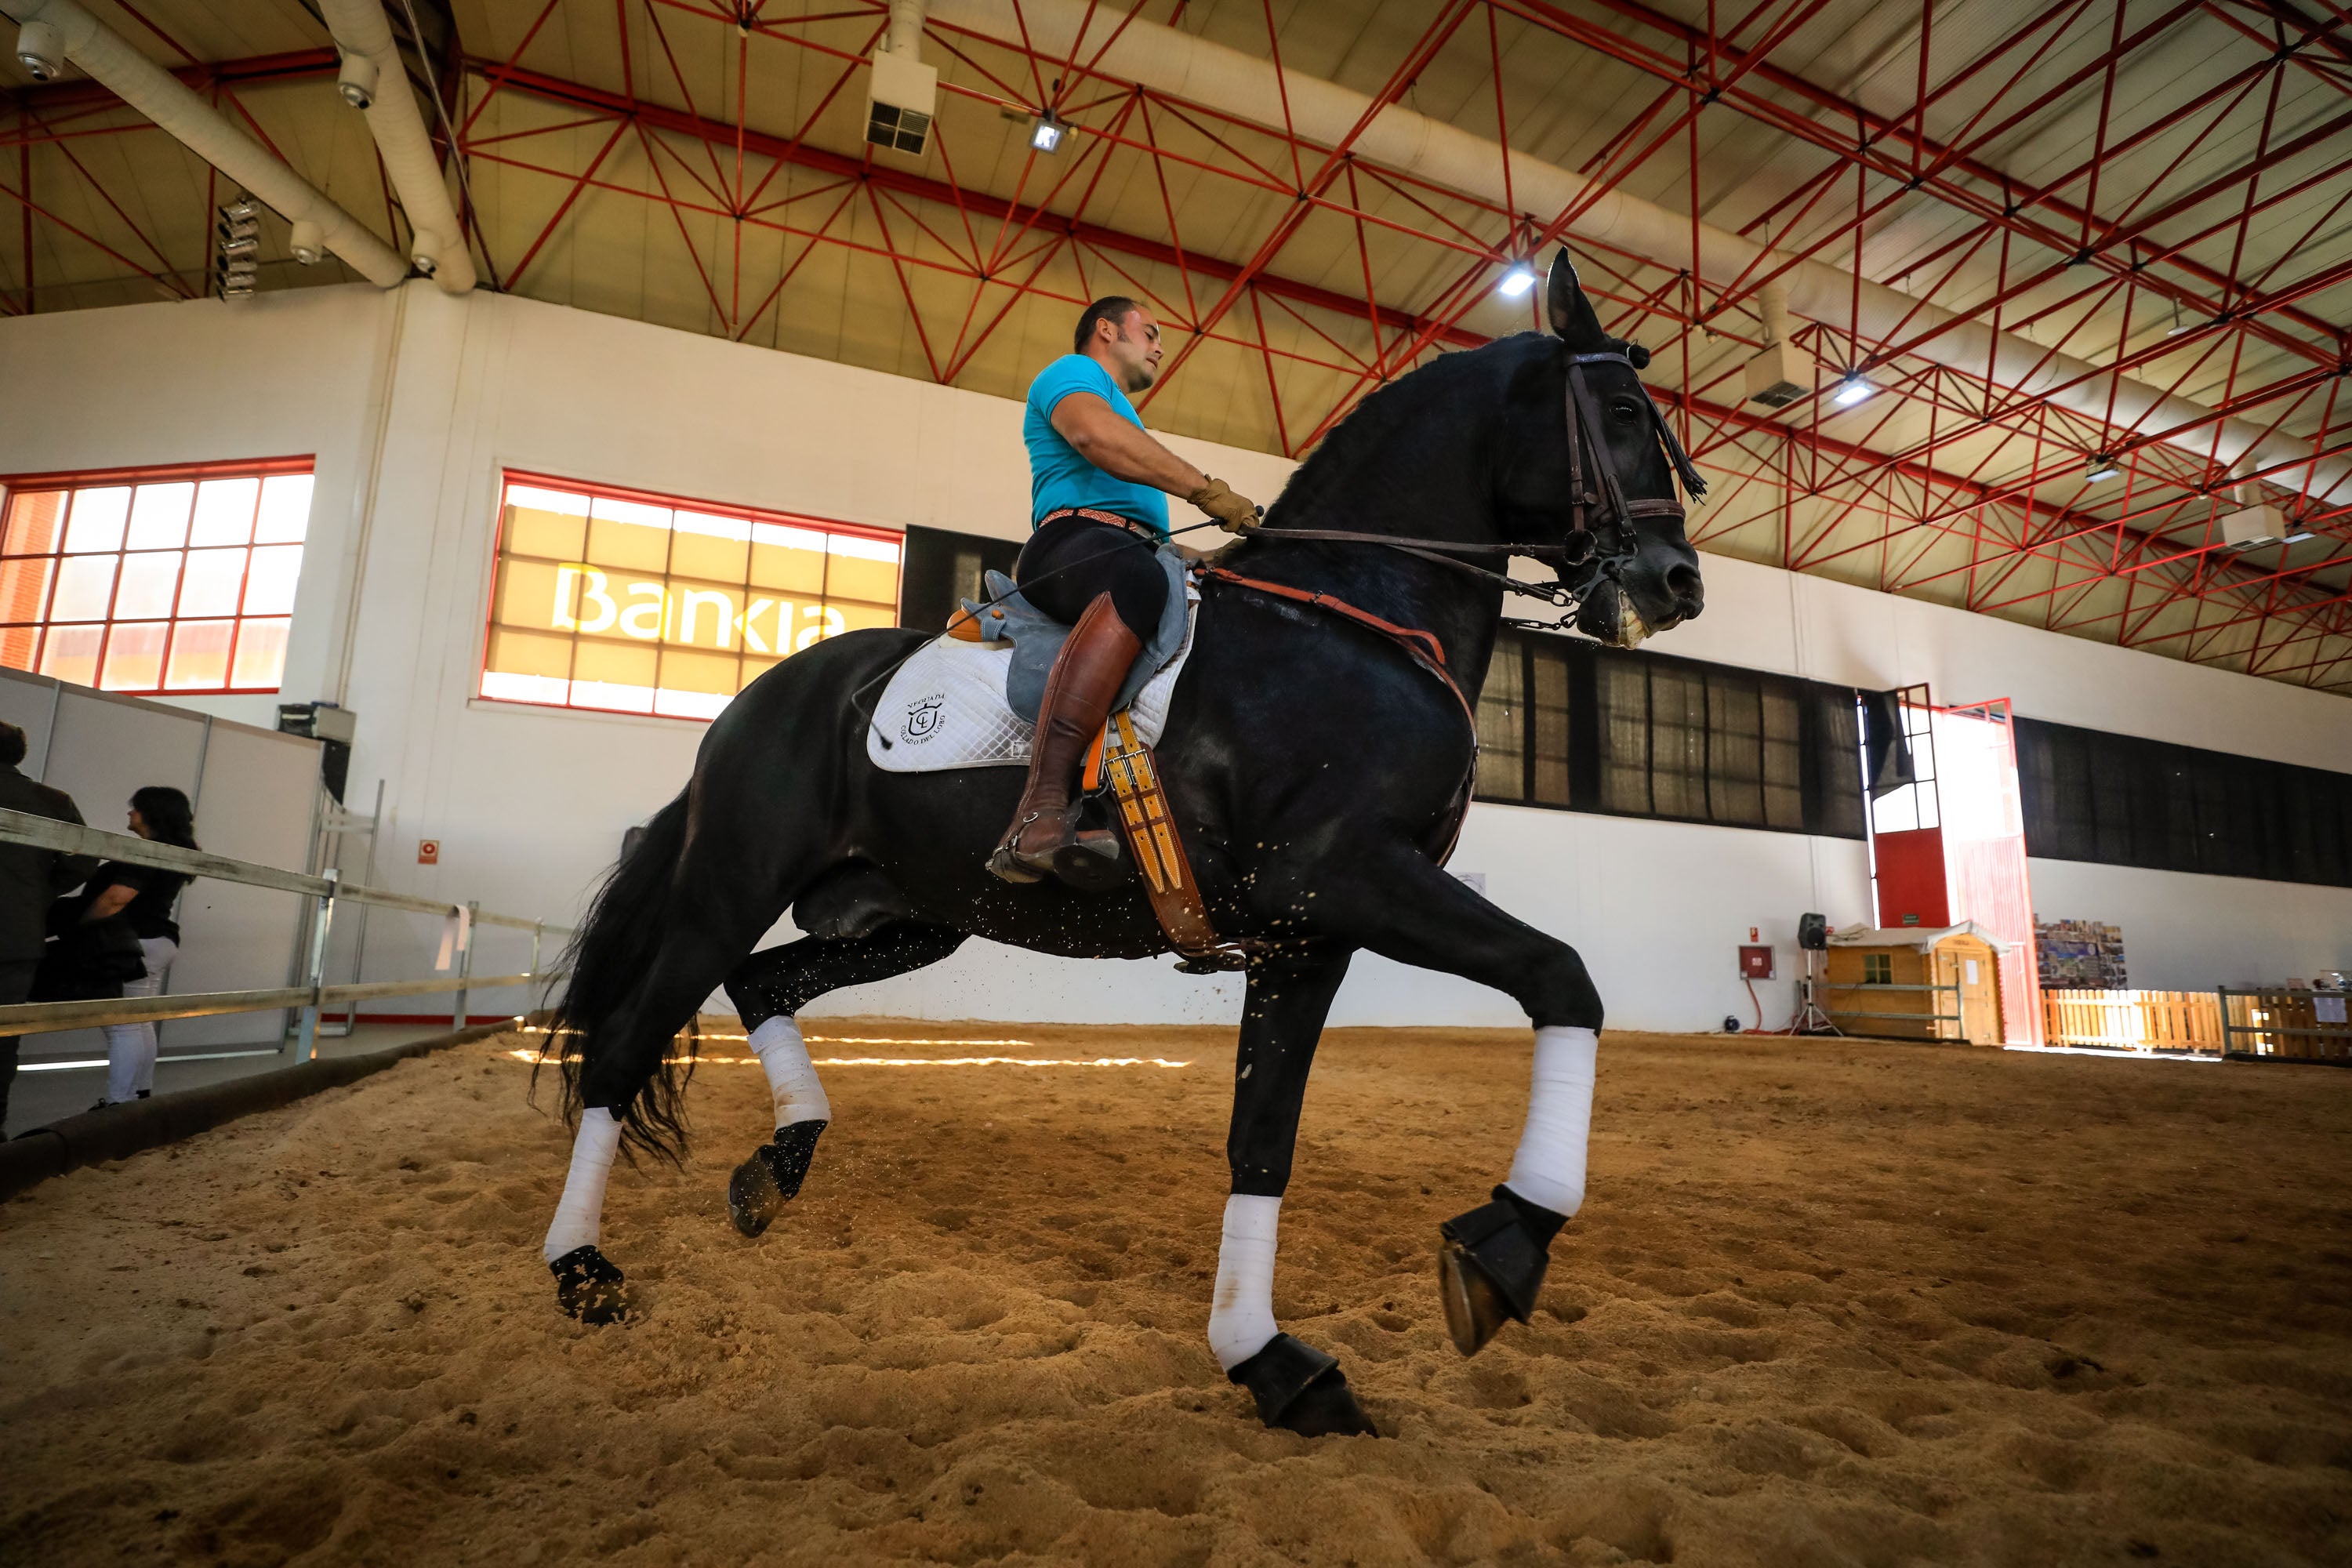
(143, 895)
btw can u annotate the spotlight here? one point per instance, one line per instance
(309, 242)
(357, 81)
(2101, 467)
(1853, 390)
(1517, 281)
(41, 50)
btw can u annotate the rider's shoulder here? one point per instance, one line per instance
(1071, 372)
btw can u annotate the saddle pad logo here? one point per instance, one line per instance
(925, 717)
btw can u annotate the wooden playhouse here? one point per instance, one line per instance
(1915, 983)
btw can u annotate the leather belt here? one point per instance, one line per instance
(1140, 530)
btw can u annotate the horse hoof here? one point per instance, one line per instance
(753, 1199)
(1327, 1407)
(1490, 1266)
(1474, 1310)
(771, 1177)
(1301, 1389)
(589, 1287)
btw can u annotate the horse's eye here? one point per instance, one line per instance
(1626, 409)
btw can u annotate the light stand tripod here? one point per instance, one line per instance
(1809, 1018)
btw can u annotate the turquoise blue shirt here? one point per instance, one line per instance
(1059, 475)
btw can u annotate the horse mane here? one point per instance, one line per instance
(1380, 418)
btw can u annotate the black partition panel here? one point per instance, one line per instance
(2123, 800)
(1579, 727)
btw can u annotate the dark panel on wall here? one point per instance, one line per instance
(2122, 800)
(1574, 725)
(943, 567)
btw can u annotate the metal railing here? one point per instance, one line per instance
(327, 890)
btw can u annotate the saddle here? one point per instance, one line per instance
(970, 699)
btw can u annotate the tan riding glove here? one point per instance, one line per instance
(1233, 512)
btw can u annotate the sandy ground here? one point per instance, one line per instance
(1828, 1304)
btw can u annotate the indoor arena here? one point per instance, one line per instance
(1539, 782)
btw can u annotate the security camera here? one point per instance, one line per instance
(357, 80)
(41, 50)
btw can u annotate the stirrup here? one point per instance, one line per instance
(1089, 861)
(1004, 861)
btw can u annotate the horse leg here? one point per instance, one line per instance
(694, 955)
(771, 987)
(1295, 1385)
(1491, 1260)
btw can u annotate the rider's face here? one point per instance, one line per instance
(1134, 352)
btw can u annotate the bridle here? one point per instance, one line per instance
(1601, 540)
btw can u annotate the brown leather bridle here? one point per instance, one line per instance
(1596, 505)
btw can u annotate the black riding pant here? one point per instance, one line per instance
(1071, 559)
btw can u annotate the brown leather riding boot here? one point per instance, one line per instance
(1044, 839)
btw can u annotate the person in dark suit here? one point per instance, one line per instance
(29, 879)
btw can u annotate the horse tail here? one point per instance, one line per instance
(606, 959)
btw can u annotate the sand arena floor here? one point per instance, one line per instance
(1828, 1304)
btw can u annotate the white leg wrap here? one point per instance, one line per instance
(1549, 1169)
(1241, 1316)
(579, 1216)
(792, 1076)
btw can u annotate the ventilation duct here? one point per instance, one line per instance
(902, 93)
(157, 94)
(1182, 65)
(380, 85)
(1781, 373)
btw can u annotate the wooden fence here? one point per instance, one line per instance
(2134, 1020)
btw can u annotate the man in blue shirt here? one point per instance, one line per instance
(1099, 486)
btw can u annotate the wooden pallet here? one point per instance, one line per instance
(2133, 1020)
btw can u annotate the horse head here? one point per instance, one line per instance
(1612, 457)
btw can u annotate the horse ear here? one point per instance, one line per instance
(1572, 318)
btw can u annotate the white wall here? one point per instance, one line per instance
(413, 402)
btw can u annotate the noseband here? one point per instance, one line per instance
(1601, 539)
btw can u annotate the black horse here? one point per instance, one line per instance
(1302, 851)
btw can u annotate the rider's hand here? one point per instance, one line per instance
(1233, 511)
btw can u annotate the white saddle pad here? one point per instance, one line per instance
(946, 707)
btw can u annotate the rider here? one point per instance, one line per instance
(1097, 514)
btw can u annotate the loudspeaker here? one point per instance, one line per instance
(1813, 932)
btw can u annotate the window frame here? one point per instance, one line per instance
(134, 475)
(504, 476)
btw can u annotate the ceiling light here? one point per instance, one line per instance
(1853, 390)
(1517, 281)
(2298, 536)
(2101, 467)
(1047, 130)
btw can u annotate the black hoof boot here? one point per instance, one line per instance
(589, 1288)
(771, 1177)
(1301, 1389)
(1490, 1266)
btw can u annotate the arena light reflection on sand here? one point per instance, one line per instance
(526, 1056)
(821, 1039)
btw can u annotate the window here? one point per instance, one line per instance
(2121, 800)
(1878, 968)
(1569, 723)
(158, 580)
(640, 604)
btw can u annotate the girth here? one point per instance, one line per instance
(1148, 824)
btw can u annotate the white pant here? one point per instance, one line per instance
(131, 1048)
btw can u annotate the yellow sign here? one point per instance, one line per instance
(612, 603)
